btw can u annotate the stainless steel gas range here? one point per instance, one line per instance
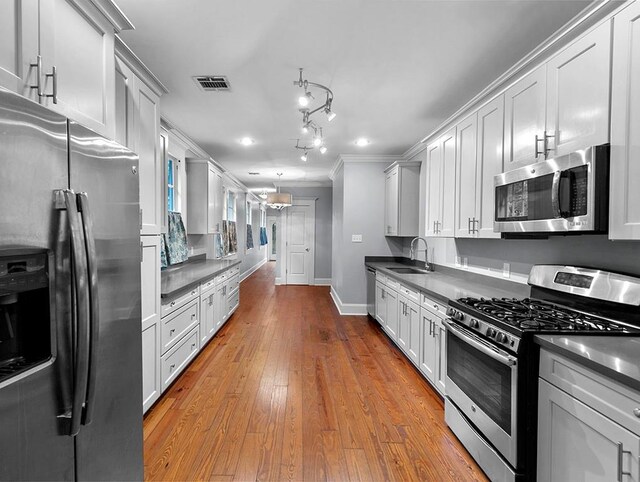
(492, 360)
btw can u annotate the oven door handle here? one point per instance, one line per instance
(477, 343)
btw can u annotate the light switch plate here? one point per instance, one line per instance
(356, 238)
(465, 263)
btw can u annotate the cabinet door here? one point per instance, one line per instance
(427, 359)
(578, 93)
(391, 203)
(577, 443)
(467, 177)
(151, 165)
(219, 307)
(440, 374)
(434, 184)
(78, 41)
(402, 337)
(150, 366)
(124, 105)
(215, 201)
(150, 281)
(525, 103)
(446, 226)
(19, 47)
(490, 163)
(624, 215)
(413, 333)
(393, 313)
(207, 316)
(381, 303)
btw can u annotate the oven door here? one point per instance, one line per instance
(553, 195)
(482, 382)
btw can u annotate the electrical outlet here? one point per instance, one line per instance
(465, 263)
(356, 238)
(506, 270)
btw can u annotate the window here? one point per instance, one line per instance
(248, 213)
(231, 206)
(173, 192)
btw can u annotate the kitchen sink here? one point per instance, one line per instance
(408, 270)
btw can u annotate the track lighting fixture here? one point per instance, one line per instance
(323, 149)
(304, 157)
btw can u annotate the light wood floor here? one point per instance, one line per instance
(291, 390)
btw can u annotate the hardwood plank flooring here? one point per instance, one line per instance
(290, 390)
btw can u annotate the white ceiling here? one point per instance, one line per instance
(398, 68)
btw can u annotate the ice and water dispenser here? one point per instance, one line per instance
(26, 333)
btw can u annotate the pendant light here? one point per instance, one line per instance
(279, 200)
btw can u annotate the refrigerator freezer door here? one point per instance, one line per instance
(33, 160)
(110, 446)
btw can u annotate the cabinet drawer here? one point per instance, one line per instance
(380, 277)
(222, 277)
(174, 362)
(393, 284)
(207, 285)
(435, 307)
(234, 283)
(234, 301)
(175, 326)
(182, 300)
(606, 396)
(409, 293)
(234, 271)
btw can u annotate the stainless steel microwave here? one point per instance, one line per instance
(567, 194)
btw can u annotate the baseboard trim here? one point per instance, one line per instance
(279, 281)
(252, 270)
(322, 282)
(347, 308)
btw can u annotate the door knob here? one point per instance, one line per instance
(306, 249)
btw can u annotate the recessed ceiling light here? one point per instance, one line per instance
(247, 141)
(362, 142)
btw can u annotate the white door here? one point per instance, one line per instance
(577, 443)
(272, 237)
(299, 244)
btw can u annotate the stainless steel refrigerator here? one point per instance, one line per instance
(70, 333)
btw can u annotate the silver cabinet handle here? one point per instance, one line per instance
(54, 88)
(435, 307)
(193, 345)
(193, 292)
(94, 310)
(546, 143)
(193, 316)
(173, 303)
(172, 367)
(172, 331)
(430, 328)
(621, 452)
(38, 86)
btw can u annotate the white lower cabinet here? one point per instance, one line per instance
(408, 328)
(391, 326)
(151, 382)
(381, 300)
(207, 315)
(178, 324)
(587, 424)
(432, 351)
(175, 360)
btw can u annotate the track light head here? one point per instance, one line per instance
(323, 149)
(330, 114)
(304, 157)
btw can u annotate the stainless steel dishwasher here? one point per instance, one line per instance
(371, 292)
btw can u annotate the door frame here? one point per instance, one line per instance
(284, 238)
(275, 219)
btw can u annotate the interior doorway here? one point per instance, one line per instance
(298, 262)
(272, 237)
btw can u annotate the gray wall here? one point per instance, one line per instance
(337, 278)
(323, 227)
(362, 213)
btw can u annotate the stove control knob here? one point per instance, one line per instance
(451, 312)
(502, 338)
(459, 316)
(474, 323)
(491, 332)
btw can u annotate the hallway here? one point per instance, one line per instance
(291, 390)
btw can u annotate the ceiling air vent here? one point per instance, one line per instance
(213, 83)
(251, 173)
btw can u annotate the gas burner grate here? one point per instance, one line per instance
(539, 315)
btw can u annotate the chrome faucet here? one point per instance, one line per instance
(427, 265)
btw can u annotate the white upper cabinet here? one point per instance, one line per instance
(205, 197)
(440, 184)
(137, 115)
(64, 50)
(624, 214)
(578, 86)
(402, 190)
(524, 122)
(467, 187)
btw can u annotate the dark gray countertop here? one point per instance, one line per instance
(190, 274)
(616, 357)
(444, 286)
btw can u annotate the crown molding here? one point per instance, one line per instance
(131, 60)
(304, 184)
(113, 14)
(360, 158)
(594, 14)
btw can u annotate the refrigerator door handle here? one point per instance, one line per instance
(94, 313)
(66, 199)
